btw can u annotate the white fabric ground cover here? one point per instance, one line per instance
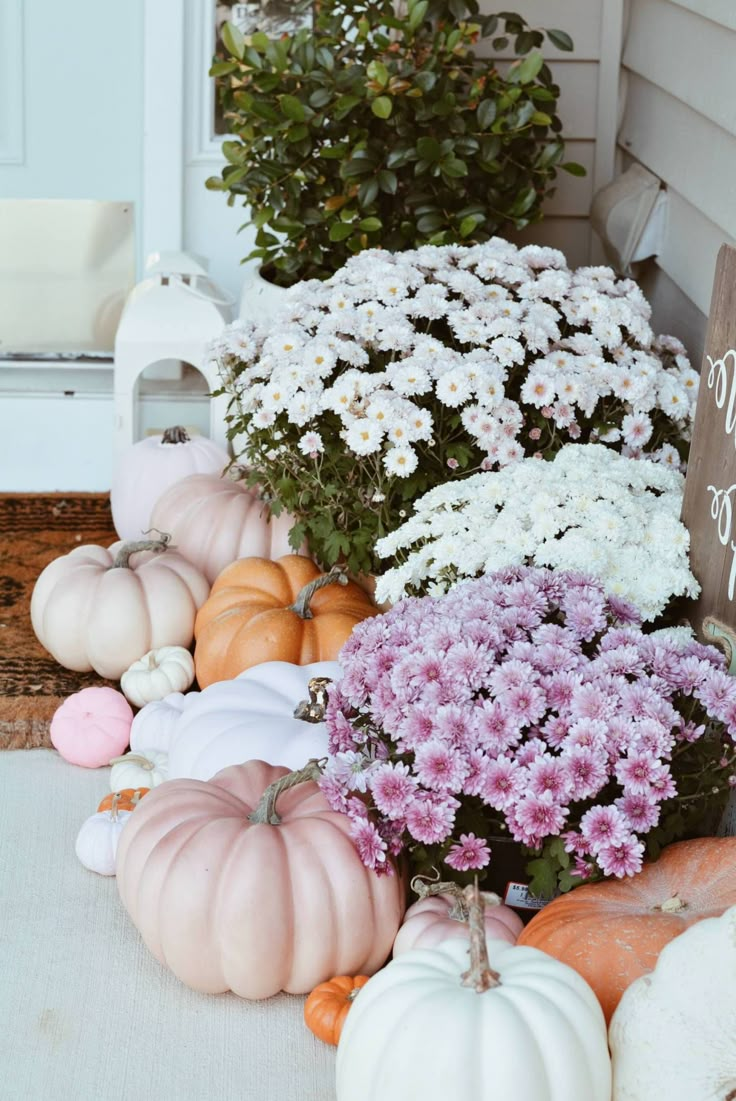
(86, 1011)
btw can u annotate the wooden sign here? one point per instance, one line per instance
(709, 508)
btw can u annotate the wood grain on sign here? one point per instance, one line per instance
(709, 508)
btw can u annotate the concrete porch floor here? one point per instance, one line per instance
(86, 1011)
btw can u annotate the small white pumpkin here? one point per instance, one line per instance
(97, 841)
(157, 674)
(145, 769)
(672, 1035)
(516, 1024)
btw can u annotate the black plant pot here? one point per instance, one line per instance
(508, 877)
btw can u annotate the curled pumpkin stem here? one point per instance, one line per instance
(480, 975)
(459, 910)
(336, 576)
(122, 558)
(265, 813)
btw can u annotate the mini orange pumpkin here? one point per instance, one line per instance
(125, 799)
(327, 1006)
(286, 610)
(613, 932)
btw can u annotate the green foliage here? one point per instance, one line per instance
(376, 128)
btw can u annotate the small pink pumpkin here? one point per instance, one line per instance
(92, 726)
(443, 916)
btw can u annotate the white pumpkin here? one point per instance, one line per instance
(672, 1036)
(157, 674)
(155, 725)
(417, 1032)
(248, 718)
(146, 769)
(147, 468)
(97, 841)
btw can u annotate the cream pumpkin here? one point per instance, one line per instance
(157, 674)
(672, 1036)
(244, 883)
(101, 608)
(213, 521)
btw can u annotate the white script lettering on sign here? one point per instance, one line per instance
(709, 508)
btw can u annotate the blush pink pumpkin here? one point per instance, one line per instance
(147, 468)
(101, 609)
(437, 918)
(213, 521)
(92, 726)
(228, 903)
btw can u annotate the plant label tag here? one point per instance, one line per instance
(517, 895)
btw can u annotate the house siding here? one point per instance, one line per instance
(578, 75)
(679, 121)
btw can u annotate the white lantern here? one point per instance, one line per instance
(173, 314)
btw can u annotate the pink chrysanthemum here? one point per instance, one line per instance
(393, 788)
(622, 858)
(470, 853)
(429, 820)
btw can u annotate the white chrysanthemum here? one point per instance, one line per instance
(409, 378)
(311, 444)
(454, 388)
(364, 437)
(401, 461)
(538, 390)
(590, 509)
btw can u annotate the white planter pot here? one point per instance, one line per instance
(259, 299)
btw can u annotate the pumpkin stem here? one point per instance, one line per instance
(480, 975)
(672, 906)
(122, 558)
(134, 759)
(265, 812)
(177, 434)
(313, 709)
(114, 807)
(459, 910)
(301, 604)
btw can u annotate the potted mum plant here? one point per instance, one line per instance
(380, 125)
(404, 370)
(527, 704)
(588, 509)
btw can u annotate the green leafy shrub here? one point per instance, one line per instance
(381, 129)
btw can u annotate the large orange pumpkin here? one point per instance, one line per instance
(286, 610)
(613, 932)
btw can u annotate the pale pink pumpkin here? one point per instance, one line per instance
(228, 903)
(437, 918)
(92, 726)
(102, 609)
(213, 521)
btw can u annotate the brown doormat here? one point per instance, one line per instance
(34, 530)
